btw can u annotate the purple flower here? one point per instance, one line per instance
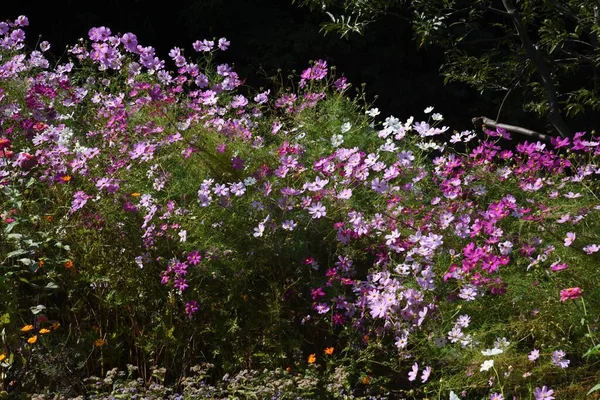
(79, 200)
(191, 307)
(341, 84)
(223, 44)
(180, 284)
(204, 46)
(129, 41)
(322, 308)
(317, 210)
(194, 257)
(239, 101)
(496, 396)
(558, 359)
(543, 394)
(534, 355)
(262, 97)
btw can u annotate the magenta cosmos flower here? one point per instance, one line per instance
(570, 293)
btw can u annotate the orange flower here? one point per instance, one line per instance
(312, 358)
(135, 194)
(55, 325)
(49, 218)
(2, 357)
(43, 331)
(68, 264)
(366, 379)
(288, 370)
(99, 342)
(329, 351)
(26, 328)
(32, 340)
(66, 178)
(41, 262)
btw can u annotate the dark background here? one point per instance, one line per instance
(267, 35)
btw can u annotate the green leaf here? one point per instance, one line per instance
(10, 227)
(16, 253)
(592, 390)
(25, 261)
(51, 285)
(14, 236)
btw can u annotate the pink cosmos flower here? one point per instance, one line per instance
(570, 238)
(570, 293)
(412, 375)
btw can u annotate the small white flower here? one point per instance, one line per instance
(492, 352)
(337, 140)
(346, 127)
(373, 112)
(437, 117)
(428, 110)
(486, 365)
(249, 181)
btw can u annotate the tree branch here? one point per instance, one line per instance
(491, 124)
(542, 69)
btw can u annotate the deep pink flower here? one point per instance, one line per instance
(570, 293)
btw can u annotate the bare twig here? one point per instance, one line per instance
(491, 124)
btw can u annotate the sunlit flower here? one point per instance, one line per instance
(2, 357)
(312, 358)
(26, 328)
(329, 351)
(43, 331)
(32, 339)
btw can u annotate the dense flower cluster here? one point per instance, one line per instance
(416, 231)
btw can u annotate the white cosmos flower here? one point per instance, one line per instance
(486, 365)
(492, 352)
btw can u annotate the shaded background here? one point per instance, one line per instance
(266, 35)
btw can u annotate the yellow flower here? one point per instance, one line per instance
(66, 178)
(312, 358)
(55, 325)
(32, 340)
(99, 342)
(135, 194)
(26, 328)
(43, 331)
(2, 357)
(329, 351)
